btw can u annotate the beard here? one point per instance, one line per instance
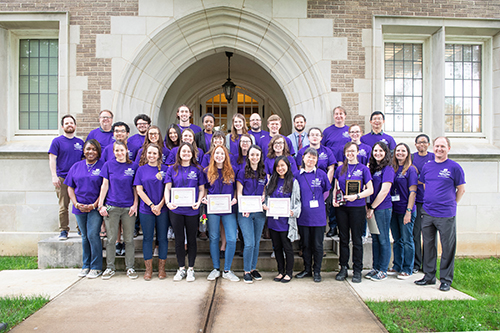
(299, 129)
(69, 130)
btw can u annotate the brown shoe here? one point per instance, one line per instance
(161, 269)
(149, 269)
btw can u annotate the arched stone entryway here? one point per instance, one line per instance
(177, 45)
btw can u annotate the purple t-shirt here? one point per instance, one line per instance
(363, 154)
(281, 223)
(401, 187)
(108, 153)
(86, 180)
(251, 186)
(441, 181)
(208, 140)
(258, 136)
(372, 138)
(269, 165)
(193, 127)
(312, 187)
(386, 175)
(325, 157)
(173, 155)
(233, 145)
(336, 137)
(121, 181)
(189, 176)
(153, 187)
(67, 151)
(104, 138)
(357, 172)
(237, 166)
(219, 187)
(165, 152)
(418, 162)
(264, 144)
(136, 141)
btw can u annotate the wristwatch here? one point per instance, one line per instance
(408, 210)
(357, 196)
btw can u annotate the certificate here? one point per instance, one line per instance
(218, 203)
(183, 196)
(278, 207)
(250, 204)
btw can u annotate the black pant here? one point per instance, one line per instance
(312, 242)
(282, 242)
(190, 224)
(351, 219)
(417, 237)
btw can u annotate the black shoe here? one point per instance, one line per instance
(415, 270)
(303, 274)
(256, 275)
(444, 286)
(118, 249)
(356, 277)
(424, 282)
(317, 277)
(222, 254)
(136, 233)
(332, 232)
(342, 274)
(122, 252)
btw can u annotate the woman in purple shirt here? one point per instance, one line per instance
(238, 128)
(173, 137)
(153, 213)
(153, 135)
(84, 184)
(221, 180)
(120, 197)
(326, 158)
(404, 192)
(312, 221)
(251, 180)
(187, 136)
(186, 172)
(351, 211)
(238, 161)
(278, 147)
(380, 208)
(218, 139)
(282, 184)
(355, 133)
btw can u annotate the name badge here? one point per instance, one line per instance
(313, 204)
(395, 197)
(276, 217)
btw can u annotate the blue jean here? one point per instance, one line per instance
(149, 223)
(381, 243)
(90, 225)
(404, 247)
(230, 226)
(251, 229)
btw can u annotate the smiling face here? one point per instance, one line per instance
(378, 153)
(105, 121)
(90, 153)
(274, 127)
(255, 122)
(355, 133)
(339, 117)
(172, 134)
(187, 137)
(152, 155)
(142, 126)
(120, 153)
(310, 160)
(282, 169)
(377, 122)
(184, 114)
(218, 141)
(351, 153)
(441, 149)
(219, 155)
(278, 146)
(299, 124)
(120, 133)
(154, 135)
(238, 124)
(315, 137)
(422, 145)
(69, 125)
(401, 153)
(208, 124)
(254, 156)
(185, 154)
(245, 143)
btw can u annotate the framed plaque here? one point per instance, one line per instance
(218, 203)
(183, 196)
(278, 207)
(250, 204)
(353, 187)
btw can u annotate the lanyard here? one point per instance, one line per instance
(184, 179)
(349, 174)
(310, 188)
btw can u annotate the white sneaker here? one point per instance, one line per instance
(131, 273)
(190, 275)
(94, 273)
(181, 274)
(108, 273)
(84, 272)
(230, 276)
(170, 234)
(273, 255)
(213, 275)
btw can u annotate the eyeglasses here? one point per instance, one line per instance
(142, 124)
(154, 133)
(120, 131)
(257, 120)
(422, 143)
(105, 118)
(279, 143)
(246, 141)
(355, 132)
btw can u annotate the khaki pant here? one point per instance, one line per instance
(62, 195)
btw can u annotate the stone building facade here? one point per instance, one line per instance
(432, 66)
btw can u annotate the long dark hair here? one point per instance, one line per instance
(178, 160)
(169, 143)
(377, 166)
(347, 146)
(261, 172)
(273, 181)
(270, 150)
(241, 158)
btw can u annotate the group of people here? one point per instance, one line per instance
(338, 174)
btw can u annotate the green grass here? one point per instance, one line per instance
(18, 262)
(14, 310)
(480, 278)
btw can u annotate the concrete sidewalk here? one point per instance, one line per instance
(82, 305)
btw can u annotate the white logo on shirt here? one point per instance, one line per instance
(400, 175)
(357, 173)
(96, 172)
(192, 176)
(323, 156)
(162, 173)
(445, 173)
(262, 182)
(129, 172)
(316, 182)
(78, 146)
(346, 135)
(377, 174)
(362, 152)
(384, 141)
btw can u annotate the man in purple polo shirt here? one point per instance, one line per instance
(64, 151)
(377, 120)
(184, 113)
(419, 159)
(444, 184)
(256, 129)
(103, 134)
(142, 123)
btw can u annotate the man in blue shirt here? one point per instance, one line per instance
(299, 138)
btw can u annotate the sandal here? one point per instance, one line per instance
(102, 234)
(285, 280)
(278, 278)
